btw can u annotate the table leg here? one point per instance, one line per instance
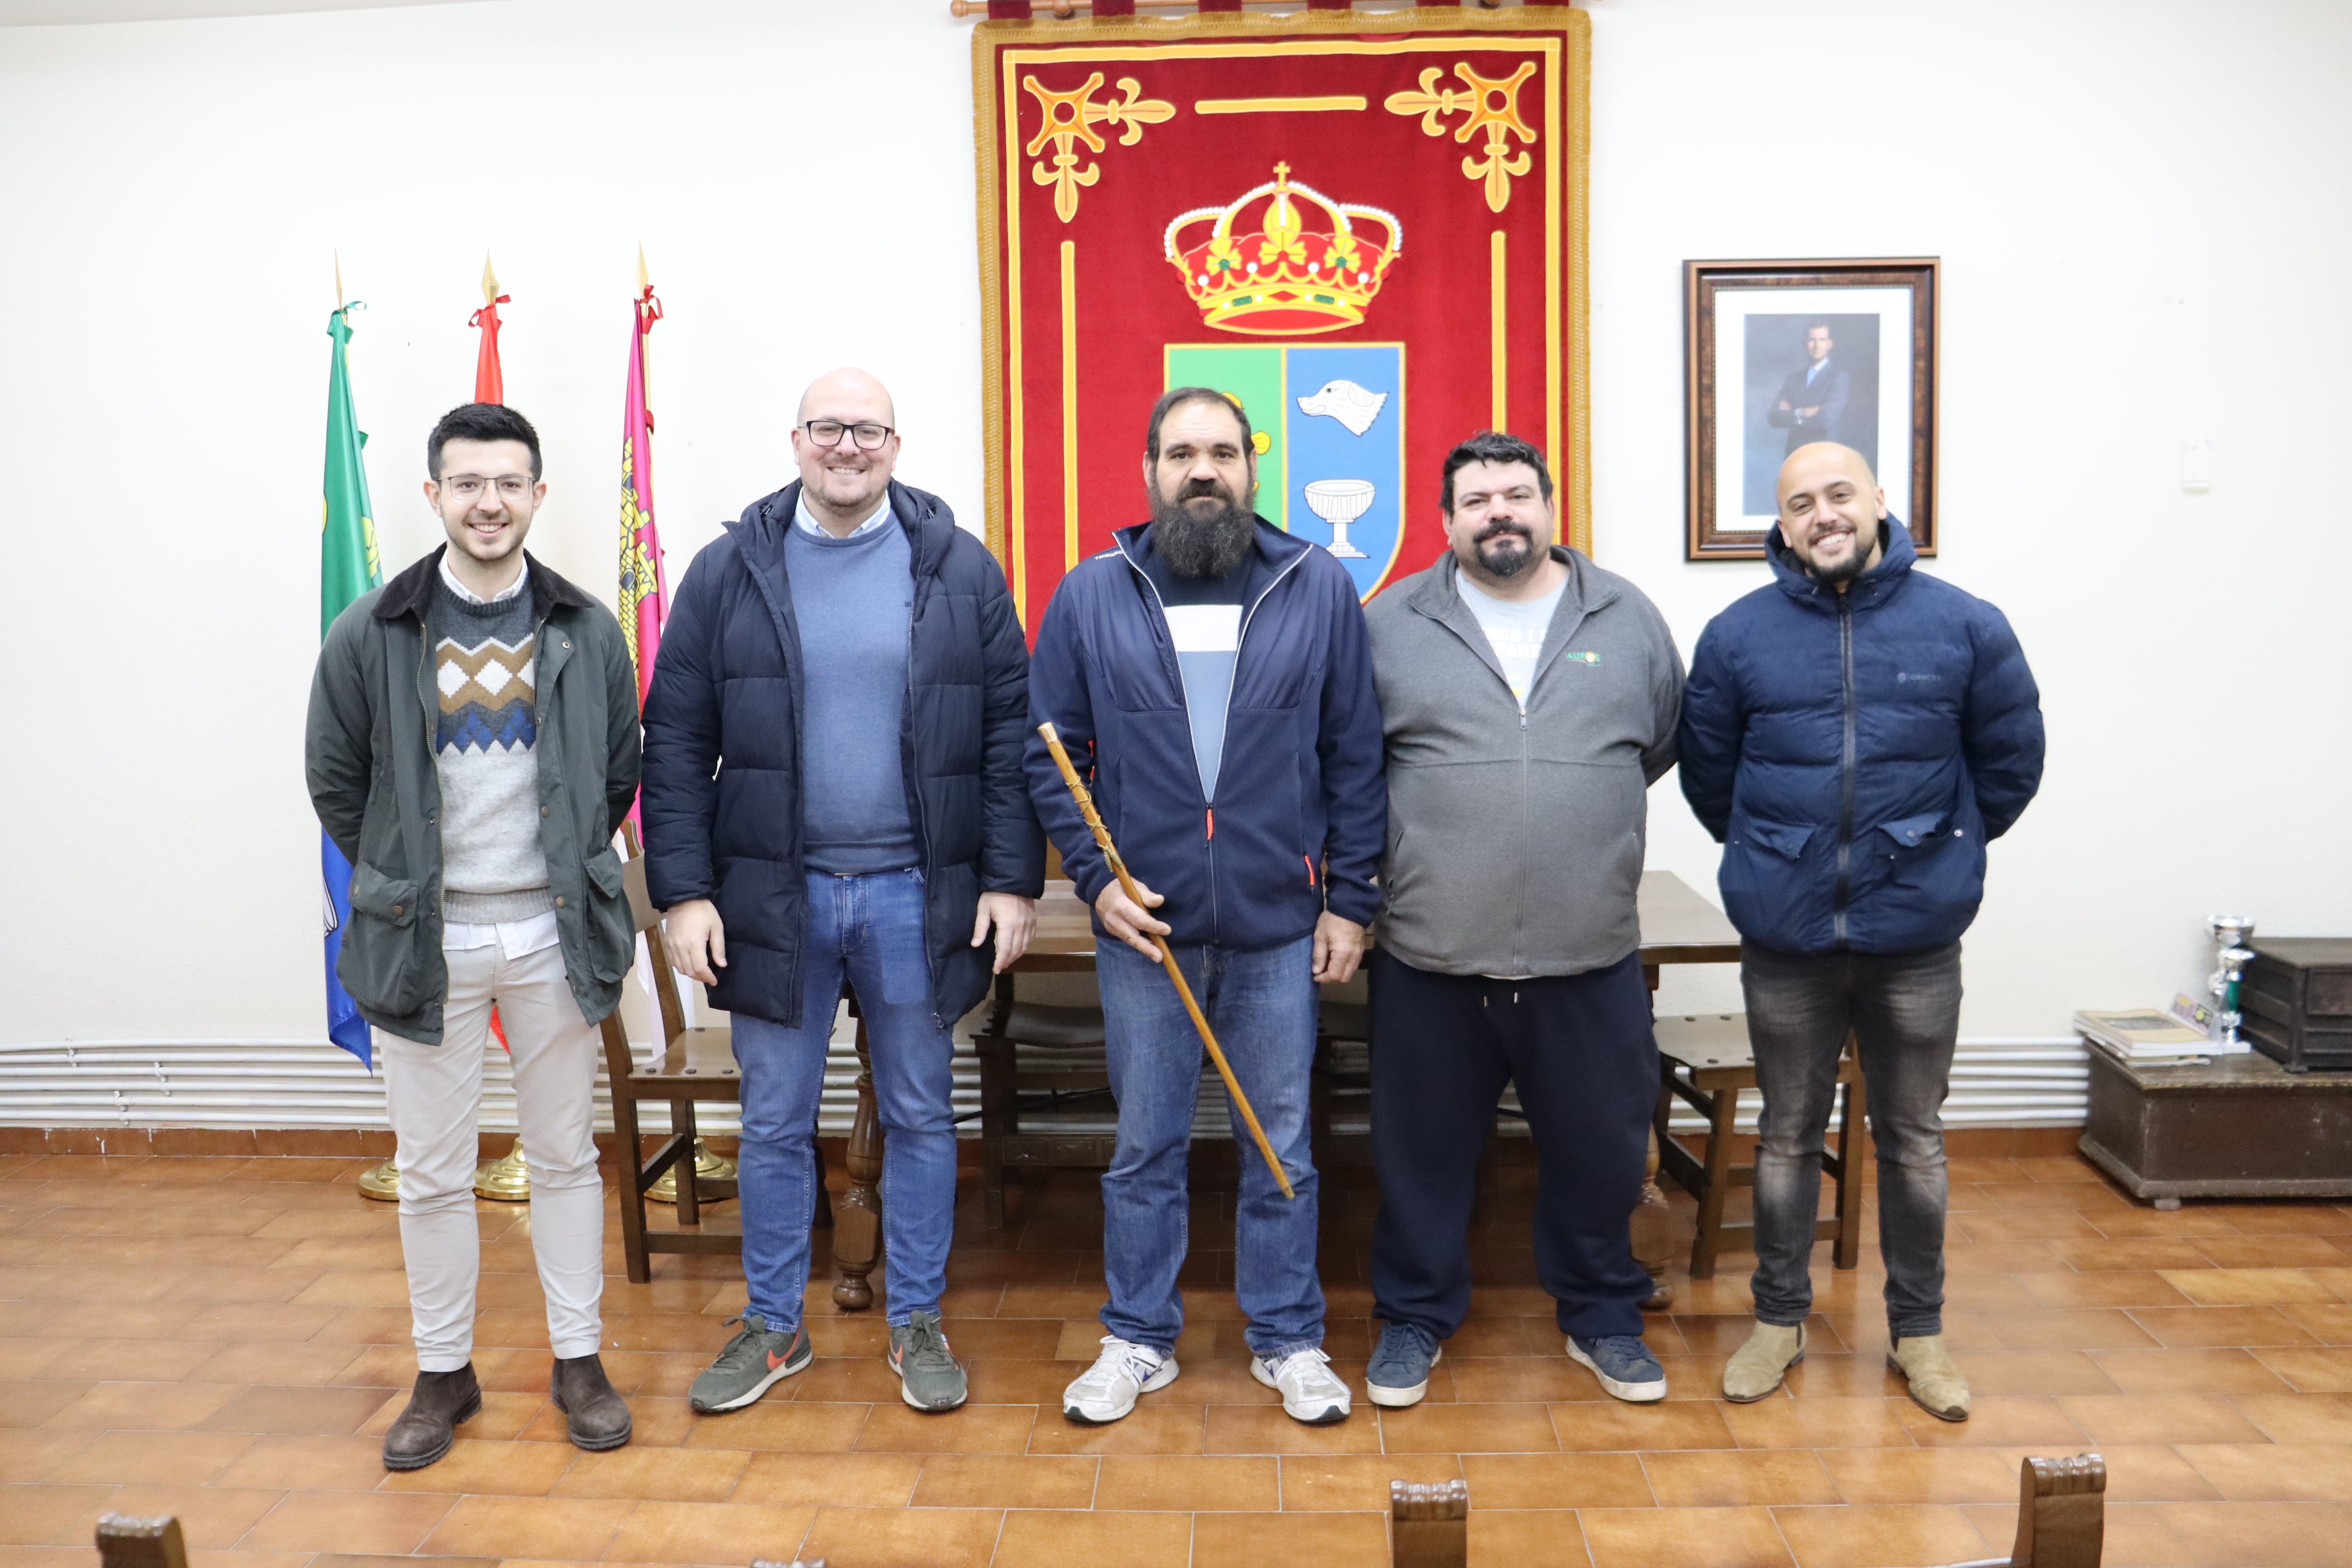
(857, 1218)
(1652, 1224)
(1723, 1109)
(1653, 1233)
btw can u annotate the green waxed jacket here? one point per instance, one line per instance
(368, 754)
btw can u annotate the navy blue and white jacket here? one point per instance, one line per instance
(1300, 811)
(1853, 753)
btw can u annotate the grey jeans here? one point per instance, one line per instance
(1904, 1012)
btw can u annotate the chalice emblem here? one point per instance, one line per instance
(1340, 502)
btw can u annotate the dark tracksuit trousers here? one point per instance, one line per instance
(1579, 1048)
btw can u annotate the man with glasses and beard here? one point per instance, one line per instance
(1210, 673)
(1856, 732)
(1528, 700)
(834, 789)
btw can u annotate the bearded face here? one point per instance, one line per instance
(1506, 547)
(1202, 531)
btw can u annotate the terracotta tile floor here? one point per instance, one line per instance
(224, 1339)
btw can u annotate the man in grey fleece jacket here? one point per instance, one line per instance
(1529, 701)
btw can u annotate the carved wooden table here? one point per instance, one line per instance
(1678, 926)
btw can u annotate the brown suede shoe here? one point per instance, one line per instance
(594, 1417)
(426, 1429)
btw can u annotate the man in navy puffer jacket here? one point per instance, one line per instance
(833, 790)
(1854, 736)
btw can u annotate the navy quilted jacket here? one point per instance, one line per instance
(1853, 753)
(723, 756)
(1301, 815)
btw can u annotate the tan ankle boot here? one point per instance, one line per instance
(1760, 1365)
(1936, 1380)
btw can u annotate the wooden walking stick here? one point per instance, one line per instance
(1167, 958)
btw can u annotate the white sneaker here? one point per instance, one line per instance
(1108, 1389)
(1309, 1391)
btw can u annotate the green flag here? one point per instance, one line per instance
(348, 567)
(347, 564)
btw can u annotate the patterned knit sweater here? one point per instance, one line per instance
(493, 867)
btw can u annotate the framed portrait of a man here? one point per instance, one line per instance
(1781, 355)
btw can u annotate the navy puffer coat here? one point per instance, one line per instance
(723, 756)
(1854, 752)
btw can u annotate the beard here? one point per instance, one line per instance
(1505, 549)
(1845, 569)
(1199, 543)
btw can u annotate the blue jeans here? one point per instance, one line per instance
(870, 929)
(1261, 1006)
(1904, 1012)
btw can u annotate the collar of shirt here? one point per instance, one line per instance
(807, 518)
(469, 596)
(1818, 366)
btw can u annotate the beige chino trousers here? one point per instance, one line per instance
(436, 1095)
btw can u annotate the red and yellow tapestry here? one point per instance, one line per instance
(1369, 230)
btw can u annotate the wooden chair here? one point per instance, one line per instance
(1429, 1526)
(1334, 1021)
(693, 1065)
(2060, 1519)
(127, 1542)
(1706, 1061)
(1033, 1057)
(2061, 1515)
(1055, 1055)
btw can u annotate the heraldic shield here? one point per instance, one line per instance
(1330, 422)
(1367, 228)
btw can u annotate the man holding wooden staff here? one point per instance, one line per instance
(1211, 674)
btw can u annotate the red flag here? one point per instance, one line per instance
(644, 586)
(490, 384)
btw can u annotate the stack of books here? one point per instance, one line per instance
(2145, 1035)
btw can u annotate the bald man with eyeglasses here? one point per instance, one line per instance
(833, 790)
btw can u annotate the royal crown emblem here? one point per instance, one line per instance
(1284, 279)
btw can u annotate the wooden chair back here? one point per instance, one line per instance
(691, 1065)
(127, 1542)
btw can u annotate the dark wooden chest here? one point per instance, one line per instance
(2298, 1001)
(2238, 1126)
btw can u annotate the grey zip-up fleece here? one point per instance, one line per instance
(1514, 841)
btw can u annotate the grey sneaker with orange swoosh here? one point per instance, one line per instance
(930, 1378)
(754, 1361)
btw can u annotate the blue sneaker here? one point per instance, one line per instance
(1399, 1374)
(1623, 1364)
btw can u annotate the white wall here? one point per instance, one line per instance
(2139, 208)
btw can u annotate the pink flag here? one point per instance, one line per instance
(644, 588)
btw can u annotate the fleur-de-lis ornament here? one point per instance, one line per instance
(1493, 103)
(1070, 119)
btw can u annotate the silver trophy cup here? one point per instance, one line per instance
(2230, 933)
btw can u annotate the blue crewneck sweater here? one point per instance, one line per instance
(853, 598)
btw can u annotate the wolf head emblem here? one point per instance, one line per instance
(1352, 406)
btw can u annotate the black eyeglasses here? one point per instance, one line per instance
(828, 433)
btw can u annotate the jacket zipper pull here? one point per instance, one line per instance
(1213, 822)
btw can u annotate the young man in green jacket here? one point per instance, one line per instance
(472, 748)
